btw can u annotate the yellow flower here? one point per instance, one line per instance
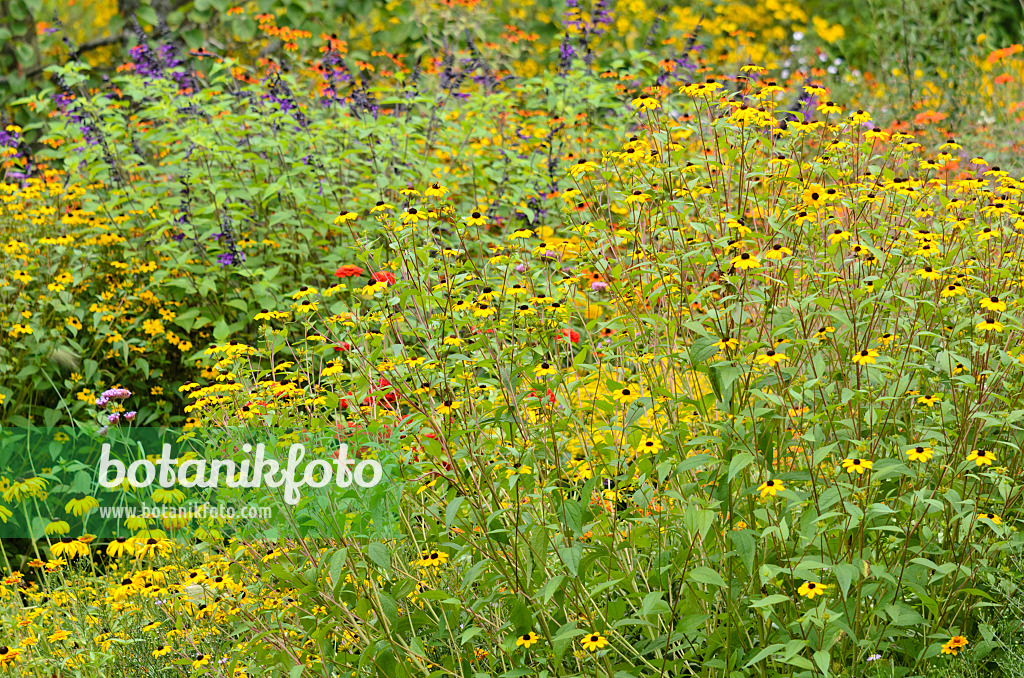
(920, 453)
(745, 261)
(993, 304)
(770, 358)
(448, 406)
(990, 324)
(593, 642)
(811, 589)
(857, 466)
(991, 516)
(865, 357)
(648, 444)
(777, 252)
(954, 645)
(626, 395)
(545, 369)
(771, 487)
(981, 457)
(526, 640)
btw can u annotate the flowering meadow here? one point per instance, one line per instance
(690, 338)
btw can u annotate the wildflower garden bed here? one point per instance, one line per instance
(684, 347)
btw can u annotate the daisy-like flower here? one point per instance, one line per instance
(824, 331)
(745, 261)
(953, 290)
(432, 559)
(120, 546)
(990, 324)
(648, 444)
(161, 650)
(981, 457)
(728, 344)
(865, 357)
(814, 195)
(527, 639)
(954, 645)
(920, 453)
(838, 235)
(81, 504)
(928, 273)
(476, 219)
(993, 304)
(448, 406)
(545, 369)
(593, 642)
(626, 395)
(770, 487)
(991, 516)
(770, 358)
(809, 589)
(857, 466)
(345, 216)
(778, 251)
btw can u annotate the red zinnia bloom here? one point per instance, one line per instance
(572, 335)
(384, 276)
(348, 271)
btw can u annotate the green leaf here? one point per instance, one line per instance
(739, 462)
(389, 607)
(771, 649)
(380, 555)
(337, 565)
(653, 604)
(745, 544)
(705, 575)
(571, 557)
(824, 660)
(452, 511)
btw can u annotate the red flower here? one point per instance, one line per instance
(572, 335)
(344, 346)
(384, 276)
(348, 271)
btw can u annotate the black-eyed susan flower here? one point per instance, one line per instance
(527, 639)
(626, 395)
(865, 357)
(81, 504)
(8, 656)
(593, 642)
(857, 465)
(745, 261)
(545, 369)
(777, 251)
(994, 304)
(770, 488)
(981, 457)
(920, 453)
(991, 516)
(476, 219)
(649, 444)
(161, 650)
(810, 589)
(990, 324)
(770, 358)
(928, 401)
(448, 406)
